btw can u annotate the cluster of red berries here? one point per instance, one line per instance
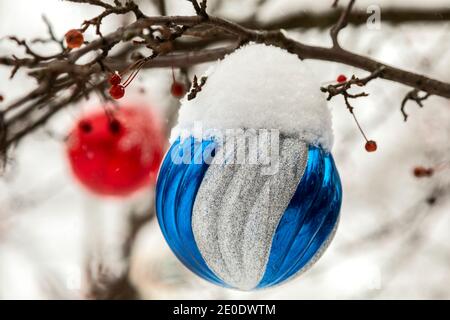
(117, 90)
(422, 172)
(370, 146)
(74, 39)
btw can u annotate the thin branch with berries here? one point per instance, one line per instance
(62, 75)
(341, 88)
(343, 85)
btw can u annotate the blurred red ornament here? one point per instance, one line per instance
(74, 39)
(119, 154)
(341, 78)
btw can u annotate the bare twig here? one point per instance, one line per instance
(200, 7)
(51, 33)
(117, 9)
(341, 23)
(196, 87)
(414, 96)
(61, 72)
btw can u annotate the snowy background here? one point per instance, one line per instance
(393, 240)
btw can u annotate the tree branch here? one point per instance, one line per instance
(327, 18)
(61, 72)
(414, 96)
(341, 88)
(341, 23)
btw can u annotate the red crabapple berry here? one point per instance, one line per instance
(371, 146)
(74, 39)
(341, 78)
(177, 90)
(117, 92)
(115, 79)
(421, 172)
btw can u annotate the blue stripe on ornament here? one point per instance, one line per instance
(308, 220)
(175, 196)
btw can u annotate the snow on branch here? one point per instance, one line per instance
(63, 80)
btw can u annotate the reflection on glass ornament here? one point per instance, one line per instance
(248, 195)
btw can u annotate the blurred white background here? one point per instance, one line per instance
(393, 242)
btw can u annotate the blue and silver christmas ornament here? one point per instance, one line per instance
(254, 199)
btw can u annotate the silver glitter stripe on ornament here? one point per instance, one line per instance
(238, 208)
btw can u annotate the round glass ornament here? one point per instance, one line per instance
(239, 225)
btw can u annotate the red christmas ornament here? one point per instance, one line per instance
(117, 91)
(116, 155)
(371, 146)
(74, 39)
(341, 78)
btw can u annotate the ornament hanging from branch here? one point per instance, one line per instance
(248, 195)
(116, 152)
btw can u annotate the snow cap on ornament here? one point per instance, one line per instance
(260, 87)
(248, 195)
